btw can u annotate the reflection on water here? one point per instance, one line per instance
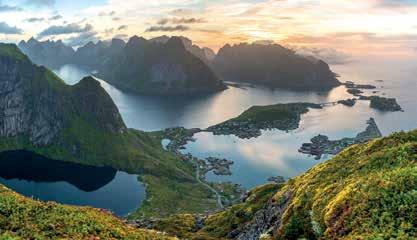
(49, 180)
(158, 112)
(275, 152)
(31, 167)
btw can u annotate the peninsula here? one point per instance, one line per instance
(249, 124)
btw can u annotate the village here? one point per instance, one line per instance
(321, 144)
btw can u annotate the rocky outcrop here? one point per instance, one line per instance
(37, 104)
(266, 221)
(273, 66)
(152, 67)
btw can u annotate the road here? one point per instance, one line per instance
(219, 197)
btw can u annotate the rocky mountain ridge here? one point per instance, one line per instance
(274, 66)
(160, 68)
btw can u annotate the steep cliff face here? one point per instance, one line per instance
(29, 104)
(152, 67)
(273, 66)
(37, 104)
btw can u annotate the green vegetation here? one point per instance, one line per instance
(218, 226)
(275, 112)
(11, 51)
(382, 103)
(81, 124)
(221, 224)
(24, 218)
(249, 124)
(368, 191)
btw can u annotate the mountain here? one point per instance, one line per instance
(39, 113)
(152, 67)
(205, 54)
(272, 65)
(38, 105)
(161, 66)
(48, 53)
(95, 55)
(367, 191)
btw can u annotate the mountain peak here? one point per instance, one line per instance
(175, 42)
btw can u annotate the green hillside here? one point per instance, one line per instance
(368, 191)
(81, 124)
(24, 218)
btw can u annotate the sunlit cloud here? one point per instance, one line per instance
(344, 25)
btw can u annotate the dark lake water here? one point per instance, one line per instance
(275, 152)
(75, 184)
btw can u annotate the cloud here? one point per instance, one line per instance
(41, 3)
(104, 14)
(177, 28)
(164, 21)
(7, 29)
(34, 19)
(122, 27)
(181, 12)
(82, 39)
(65, 29)
(55, 17)
(8, 8)
(121, 36)
(329, 55)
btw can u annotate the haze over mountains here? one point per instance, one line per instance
(174, 65)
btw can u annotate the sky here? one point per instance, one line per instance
(337, 26)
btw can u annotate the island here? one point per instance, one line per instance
(376, 102)
(274, 66)
(249, 124)
(348, 102)
(322, 145)
(382, 103)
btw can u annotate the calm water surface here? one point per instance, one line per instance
(275, 152)
(49, 180)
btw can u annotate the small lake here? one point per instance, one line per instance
(275, 152)
(49, 180)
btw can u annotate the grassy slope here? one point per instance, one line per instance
(274, 112)
(24, 218)
(217, 226)
(366, 192)
(170, 181)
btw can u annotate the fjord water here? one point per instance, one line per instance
(272, 154)
(275, 152)
(50, 180)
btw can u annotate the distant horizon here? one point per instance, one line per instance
(356, 27)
